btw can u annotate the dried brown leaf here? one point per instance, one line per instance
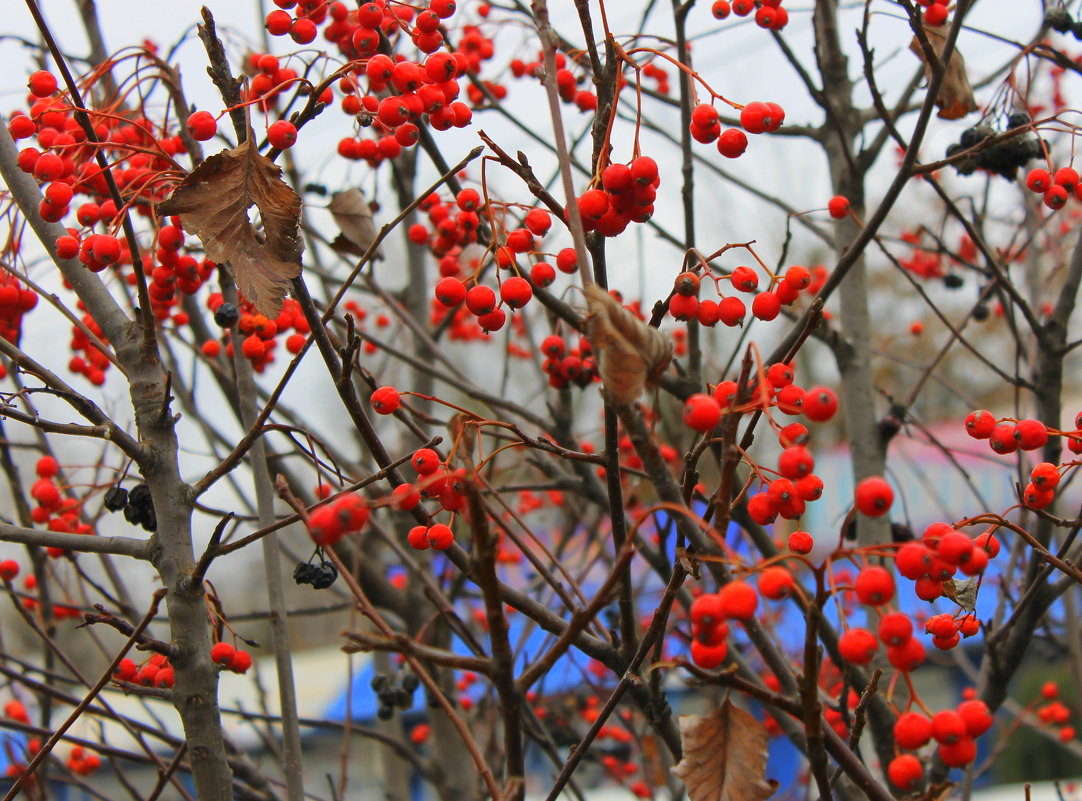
(724, 756)
(630, 353)
(955, 98)
(353, 214)
(213, 203)
(963, 593)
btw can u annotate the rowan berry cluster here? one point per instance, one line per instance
(154, 672)
(954, 731)
(15, 301)
(260, 333)
(1056, 188)
(730, 310)
(235, 659)
(769, 14)
(346, 514)
(1055, 712)
(568, 86)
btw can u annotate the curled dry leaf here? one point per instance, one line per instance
(955, 98)
(630, 354)
(724, 756)
(353, 214)
(963, 593)
(213, 203)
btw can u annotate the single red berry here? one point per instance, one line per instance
(709, 657)
(776, 582)
(908, 656)
(480, 300)
(222, 653)
(795, 462)
(959, 754)
(1002, 439)
(386, 400)
(766, 306)
(720, 9)
(895, 628)
(1031, 435)
(1067, 177)
(874, 586)
(42, 84)
(1056, 197)
(820, 404)
(242, 660)
(873, 496)
(425, 461)
(440, 537)
(905, 772)
(858, 646)
(202, 126)
(9, 570)
(838, 207)
(738, 600)
(912, 731)
(1038, 180)
(801, 542)
(977, 716)
(948, 727)
(701, 412)
(516, 292)
(980, 424)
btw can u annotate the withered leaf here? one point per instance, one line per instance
(955, 98)
(213, 203)
(963, 593)
(724, 756)
(630, 354)
(353, 215)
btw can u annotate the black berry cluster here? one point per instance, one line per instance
(394, 696)
(1003, 158)
(320, 576)
(137, 504)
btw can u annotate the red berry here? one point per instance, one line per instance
(701, 412)
(905, 772)
(801, 542)
(820, 404)
(738, 600)
(202, 126)
(42, 84)
(958, 754)
(242, 660)
(516, 292)
(912, 731)
(1038, 180)
(440, 537)
(838, 207)
(895, 628)
(708, 657)
(776, 583)
(948, 727)
(874, 586)
(873, 496)
(386, 400)
(9, 569)
(222, 653)
(480, 300)
(857, 646)
(977, 716)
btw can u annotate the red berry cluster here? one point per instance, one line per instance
(155, 672)
(1055, 712)
(235, 659)
(347, 514)
(706, 128)
(15, 301)
(710, 614)
(685, 304)
(565, 365)
(568, 86)
(1056, 188)
(942, 552)
(402, 94)
(769, 14)
(626, 195)
(261, 332)
(82, 763)
(87, 358)
(954, 730)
